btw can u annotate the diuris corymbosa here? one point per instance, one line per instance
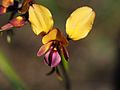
(78, 25)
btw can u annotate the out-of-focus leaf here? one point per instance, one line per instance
(8, 71)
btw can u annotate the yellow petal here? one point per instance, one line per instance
(80, 22)
(54, 34)
(40, 19)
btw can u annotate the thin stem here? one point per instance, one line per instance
(64, 69)
(66, 78)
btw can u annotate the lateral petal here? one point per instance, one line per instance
(80, 22)
(41, 18)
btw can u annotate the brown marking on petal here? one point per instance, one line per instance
(55, 35)
(43, 34)
(50, 58)
(61, 37)
(25, 6)
(65, 53)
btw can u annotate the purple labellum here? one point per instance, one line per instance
(52, 58)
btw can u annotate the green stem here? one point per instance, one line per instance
(64, 69)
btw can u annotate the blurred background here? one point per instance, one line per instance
(94, 61)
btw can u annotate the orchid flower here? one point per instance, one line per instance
(54, 46)
(78, 25)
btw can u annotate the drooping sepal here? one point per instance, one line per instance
(44, 48)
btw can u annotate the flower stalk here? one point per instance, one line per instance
(65, 77)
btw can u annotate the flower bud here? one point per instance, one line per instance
(16, 22)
